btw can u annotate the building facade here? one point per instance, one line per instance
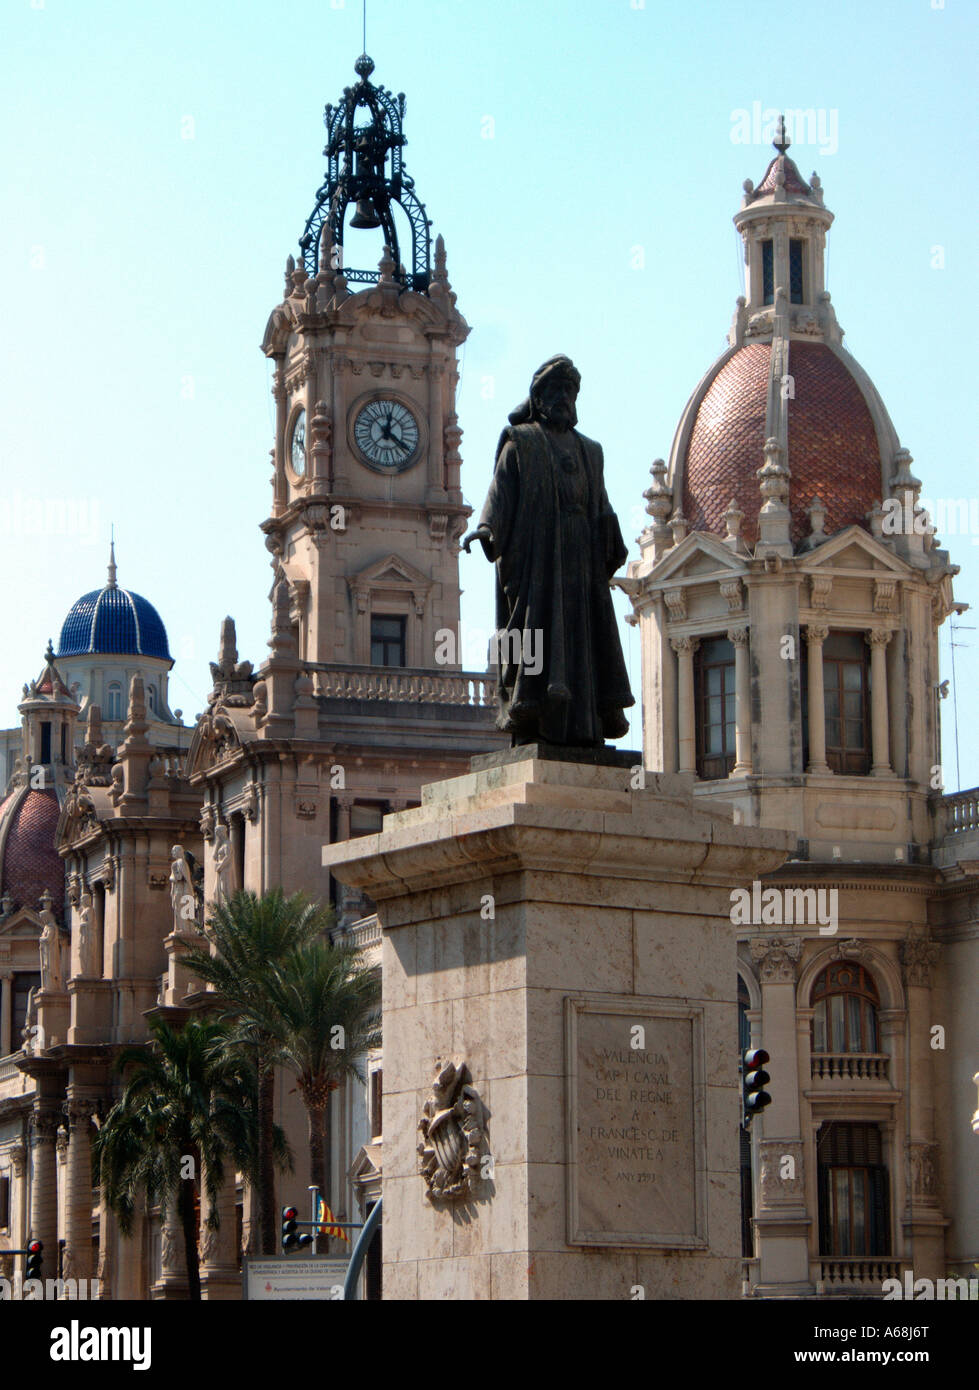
(789, 666)
(789, 596)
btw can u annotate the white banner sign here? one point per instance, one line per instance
(286, 1277)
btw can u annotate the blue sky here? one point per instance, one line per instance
(159, 162)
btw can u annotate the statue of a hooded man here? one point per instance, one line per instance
(548, 527)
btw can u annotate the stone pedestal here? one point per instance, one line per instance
(565, 933)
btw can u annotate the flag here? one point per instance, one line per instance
(327, 1227)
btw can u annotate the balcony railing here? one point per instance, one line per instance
(365, 934)
(9, 1070)
(849, 1066)
(865, 1274)
(961, 811)
(407, 684)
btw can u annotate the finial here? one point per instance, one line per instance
(781, 141)
(364, 66)
(112, 560)
(49, 653)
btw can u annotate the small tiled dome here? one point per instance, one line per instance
(31, 863)
(113, 621)
(833, 446)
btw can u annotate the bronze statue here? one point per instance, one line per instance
(548, 526)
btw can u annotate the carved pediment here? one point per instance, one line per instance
(853, 549)
(393, 572)
(698, 556)
(22, 924)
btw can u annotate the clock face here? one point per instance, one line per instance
(297, 452)
(386, 433)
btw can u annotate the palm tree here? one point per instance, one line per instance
(324, 1008)
(249, 935)
(188, 1095)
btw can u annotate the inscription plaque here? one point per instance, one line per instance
(636, 1151)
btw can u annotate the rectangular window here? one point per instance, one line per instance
(46, 741)
(767, 273)
(365, 819)
(377, 1090)
(853, 1191)
(714, 699)
(387, 641)
(796, 287)
(846, 690)
(24, 982)
(4, 1202)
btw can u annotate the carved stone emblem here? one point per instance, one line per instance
(451, 1131)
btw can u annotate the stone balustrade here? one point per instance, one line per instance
(9, 1071)
(867, 1273)
(408, 684)
(849, 1066)
(961, 811)
(365, 933)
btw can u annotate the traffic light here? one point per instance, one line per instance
(35, 1251)
(754, 1079)
(291, 1240)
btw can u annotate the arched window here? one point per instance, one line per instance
(151, 698)
(114, 701)
(845, 1003)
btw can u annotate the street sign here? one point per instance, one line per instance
(287, 1277)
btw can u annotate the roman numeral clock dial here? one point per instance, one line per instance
(386, 434)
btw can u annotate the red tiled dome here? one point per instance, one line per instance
(30, 861)
(833, 448)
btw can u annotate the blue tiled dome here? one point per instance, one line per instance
(113, 620)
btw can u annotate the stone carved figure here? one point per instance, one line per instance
(548, 527)
(49, 947)
(183, 899)
(451, 1131)
(86, 935)
(222, 863)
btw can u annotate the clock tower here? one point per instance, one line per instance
(367, 508)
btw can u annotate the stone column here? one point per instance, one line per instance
(172, 1283)
(44, 1182)
(106, 1234)
(781, 1220)
(18, 1198)
(344, 804)
(220, 1278)
(436, 482)
(877, 640)
(6, 1001)
(815, 637)
(922, 1220)
(738, 636)
(686, 713)
(78, 1207)
(129, 1275)
(280, 489)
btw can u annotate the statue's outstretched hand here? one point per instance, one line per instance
(482, 532)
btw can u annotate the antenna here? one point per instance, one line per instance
(364, 49)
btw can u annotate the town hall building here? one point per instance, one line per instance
(789, 638)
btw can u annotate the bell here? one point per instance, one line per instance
(366, 214)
